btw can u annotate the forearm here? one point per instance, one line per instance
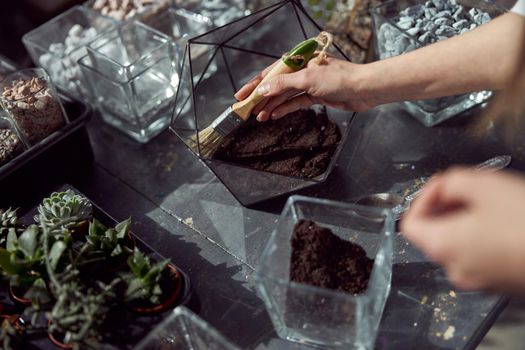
(486, 58)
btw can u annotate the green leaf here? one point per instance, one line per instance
(12, 240)
(122, 228)
(7, 264)
(28, 240)
(56, 253)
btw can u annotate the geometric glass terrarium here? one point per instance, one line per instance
(399, 30)
(319, 316)
(238, 51)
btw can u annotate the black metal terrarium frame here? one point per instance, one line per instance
(217, 63)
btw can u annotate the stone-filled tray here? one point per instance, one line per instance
(61, 154)
(129, 327)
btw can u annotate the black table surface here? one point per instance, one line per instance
(181, 209)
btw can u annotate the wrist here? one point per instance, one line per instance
(363, 83)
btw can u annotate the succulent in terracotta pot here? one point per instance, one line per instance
(11, 332)
(152, 288)
(76, 319)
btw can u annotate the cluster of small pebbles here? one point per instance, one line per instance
(35, 110)
(432, 21)
(122, 9)
(219, 11)
(61, 61)
(10, 145)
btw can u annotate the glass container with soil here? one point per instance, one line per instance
(325, 273)
(259, 161)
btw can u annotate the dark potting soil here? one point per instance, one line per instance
(322, 259)
(300, 144)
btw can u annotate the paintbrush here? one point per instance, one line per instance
(234, 116)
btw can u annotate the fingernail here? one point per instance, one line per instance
(258, 118)
(263, 89)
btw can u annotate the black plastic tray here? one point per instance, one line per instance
(130, 327)
(52, 161)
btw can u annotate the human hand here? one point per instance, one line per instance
(329, 83)
(473, 224)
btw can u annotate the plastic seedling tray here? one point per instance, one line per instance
(130, 327)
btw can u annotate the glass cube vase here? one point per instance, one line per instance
(133, 75)
(181, 25)
(323, 317)
(57, 46)
(183, 329)
(389, 37)
(239, 51)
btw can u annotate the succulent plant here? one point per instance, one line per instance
(23, 258)
(64, 209)
(8, 223)
(79, 312)
(110, 242)
(144, 279)
(11, 333)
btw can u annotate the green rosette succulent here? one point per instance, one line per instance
(64, 210)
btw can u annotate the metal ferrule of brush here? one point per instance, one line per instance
(227, 122)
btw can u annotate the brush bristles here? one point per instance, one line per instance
(209, 141)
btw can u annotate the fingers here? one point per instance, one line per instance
(298, 81)
(247, 88)
(292, 105)
(263, 113)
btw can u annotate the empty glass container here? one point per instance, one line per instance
(394, 36)
(182, 329)
(133, 77)
(239, 50)
(57, 45)
(324, 317)
(181, 25)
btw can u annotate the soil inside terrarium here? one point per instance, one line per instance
(322, 259)
(300, 144)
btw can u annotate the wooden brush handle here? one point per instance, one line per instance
(244, 108)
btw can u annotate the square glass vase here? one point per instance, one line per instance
(323, 317)
(133, 75)
(57, 46)
(183, 329)
(181, 25)
(238, 51)
(389, 37)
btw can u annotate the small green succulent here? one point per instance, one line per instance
(79, 312)
(110, 242)
(11, 333)
(8, 223)
(64, 209)
(144, 279)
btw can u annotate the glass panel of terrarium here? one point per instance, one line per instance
(213, 95)
(203, 64)
(234, 28)
(250, 186)
(273, 35)
(183, 119)
(244, 66)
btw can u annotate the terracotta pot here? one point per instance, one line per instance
(55, 341)
(169, 300)
(17, 294)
